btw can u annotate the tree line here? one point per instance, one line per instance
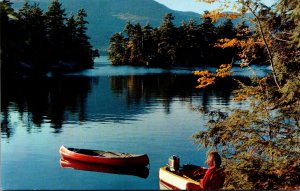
(36, 42)
(190, 44)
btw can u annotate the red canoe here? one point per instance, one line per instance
(104, 157)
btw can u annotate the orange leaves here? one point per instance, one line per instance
(247, 47)
(224, 71)
(217, 14)
(227, 43)
(207, 78)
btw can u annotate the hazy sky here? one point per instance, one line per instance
(193, 5)
(187, 5)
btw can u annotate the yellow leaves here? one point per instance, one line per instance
(224, 71)
(247, 47)
(207, 78)
(205, 82)
(202, 73)
(227, 43)
(217, 14)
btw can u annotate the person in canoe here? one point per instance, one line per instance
(214, 176)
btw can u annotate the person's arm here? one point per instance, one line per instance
(200, 171)
(204, 183)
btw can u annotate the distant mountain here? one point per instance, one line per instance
(107, 17)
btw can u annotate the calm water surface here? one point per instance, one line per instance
(135, 110)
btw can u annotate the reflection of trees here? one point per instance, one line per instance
(222, 89)
(45, 100)
(166, 87)
(6, 130)
(56, 100)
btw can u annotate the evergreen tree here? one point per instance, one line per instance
(149, 44)
(189, 44)
(34, 42)
(56, 30)
(226, 30)
(134, 43)
(71, 38)
(33, 34)
(9, 39)
(208, 33)
(117, 49)
(167, 46)
(86, 52)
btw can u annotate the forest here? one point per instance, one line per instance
(34, 42)
(188, 45)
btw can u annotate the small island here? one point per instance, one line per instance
(189, 45)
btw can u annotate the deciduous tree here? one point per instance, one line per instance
(260, 144)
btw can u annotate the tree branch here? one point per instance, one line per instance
(267, 46)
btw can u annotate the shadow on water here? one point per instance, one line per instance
(44, 99)
(55, 101)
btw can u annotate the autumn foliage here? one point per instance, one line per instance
(207, 78)
(260, 143)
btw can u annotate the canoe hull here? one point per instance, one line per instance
(172, 181)
(135, 160)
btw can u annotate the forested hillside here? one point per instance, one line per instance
(107, 17)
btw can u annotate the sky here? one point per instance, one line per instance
(187, 5)
(194, 6)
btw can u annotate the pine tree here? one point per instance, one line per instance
(85, 48)
(189, 43)
(116, 50)
(9, 39)
(149, 44)
(167, 46)
(56, 30)
(33, 32)
(208, 33)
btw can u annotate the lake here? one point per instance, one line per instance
(125, 109)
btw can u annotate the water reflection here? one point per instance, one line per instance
(142, 172)
(75, 99)
(45, 100)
